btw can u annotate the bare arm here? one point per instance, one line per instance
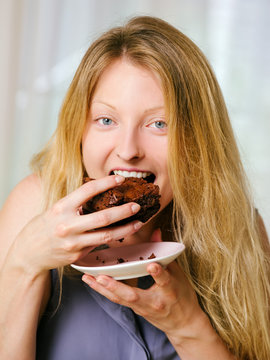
(23, 296)
(32, 243)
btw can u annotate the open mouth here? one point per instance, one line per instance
(148, 176)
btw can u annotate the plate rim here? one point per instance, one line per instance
(130, 264)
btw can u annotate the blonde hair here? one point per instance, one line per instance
(213, 211)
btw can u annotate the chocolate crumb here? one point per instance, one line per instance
(120, 260)
(121, 240)
(141, 258)
(152, 256)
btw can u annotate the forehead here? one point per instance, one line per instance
(123, 76)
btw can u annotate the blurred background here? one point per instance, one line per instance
(42, 43)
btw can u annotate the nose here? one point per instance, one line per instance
(129, 146)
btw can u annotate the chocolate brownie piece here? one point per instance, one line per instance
(131, 190)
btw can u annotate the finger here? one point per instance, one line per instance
(161, 276)
(107, 235)
(92, 282)
(91, 189)
(101, 287)
(106, 217)
(125, 293)
(99, 219)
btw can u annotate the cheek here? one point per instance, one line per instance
(90, 153)
(95, 151)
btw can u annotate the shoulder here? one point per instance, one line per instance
(29, 186)
(24, 200)
(23, 203)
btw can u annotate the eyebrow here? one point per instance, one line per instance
(103, 103)
(154, 108)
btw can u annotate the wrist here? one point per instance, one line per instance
(15, 265)
(23, 261)
(199, 329)
(199, 340)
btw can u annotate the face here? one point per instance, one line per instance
(126, 130)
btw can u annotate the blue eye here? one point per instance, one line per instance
(160, 124)
(105, 121)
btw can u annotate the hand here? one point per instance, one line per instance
(60, 236)
(170, 304)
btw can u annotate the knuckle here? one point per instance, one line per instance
(88, 189)
(57, 208)
(112, 287)
(103, 218)
(69, 247)
(107, 236)
(93, 187)
(61, 230)
(90, 186)
(132, 297)
(158, 305)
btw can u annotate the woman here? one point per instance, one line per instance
(144, 99)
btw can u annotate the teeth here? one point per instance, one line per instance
(132, 173)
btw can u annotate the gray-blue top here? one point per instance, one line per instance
(89, 326)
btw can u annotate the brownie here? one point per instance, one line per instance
(131, 190)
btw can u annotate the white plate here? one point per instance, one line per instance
(135, 257)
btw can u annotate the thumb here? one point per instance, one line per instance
(156, 235)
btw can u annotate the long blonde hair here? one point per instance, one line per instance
(213, 211)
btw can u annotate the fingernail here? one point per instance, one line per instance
(135, 208)
(119, 179)
(137, 225)
(102, 281)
